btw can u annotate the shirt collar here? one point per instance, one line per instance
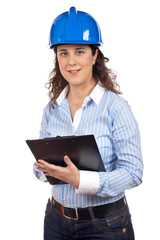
(95, 95)
(62, 95)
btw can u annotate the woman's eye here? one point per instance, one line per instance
(63, 54)
(80, 52)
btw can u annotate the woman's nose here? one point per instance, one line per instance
(72, 60)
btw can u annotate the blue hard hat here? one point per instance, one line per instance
(75, 27)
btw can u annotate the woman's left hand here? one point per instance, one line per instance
(69, 174)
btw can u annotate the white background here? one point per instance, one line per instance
(130, 32)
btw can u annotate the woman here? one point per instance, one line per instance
(84, 99)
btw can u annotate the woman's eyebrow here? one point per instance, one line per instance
(61, 50)
(78, 48)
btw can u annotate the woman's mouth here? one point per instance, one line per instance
(75, 71)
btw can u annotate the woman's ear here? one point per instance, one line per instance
(95, 56)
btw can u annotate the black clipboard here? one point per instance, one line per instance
(82, 150)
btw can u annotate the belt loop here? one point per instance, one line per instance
(92, 214)
(125, 200)
(51, 203)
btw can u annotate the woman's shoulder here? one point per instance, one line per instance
(115, 101)
(119, 106)
(48, 109)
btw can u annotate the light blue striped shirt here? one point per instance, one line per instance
(109, 117)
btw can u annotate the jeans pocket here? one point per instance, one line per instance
(116, 224)
(117, 221)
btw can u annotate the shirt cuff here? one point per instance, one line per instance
(89, 182)
(39, 174)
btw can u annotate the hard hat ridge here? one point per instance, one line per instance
(73, 28)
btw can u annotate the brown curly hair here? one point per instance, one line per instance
(101, 74)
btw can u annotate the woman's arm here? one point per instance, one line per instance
(129, 167)
(39, 174)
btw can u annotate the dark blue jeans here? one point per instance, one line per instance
(116, 226)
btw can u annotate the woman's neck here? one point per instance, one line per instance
(76, 96)
(79, 93)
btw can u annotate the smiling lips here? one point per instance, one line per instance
(73, 72)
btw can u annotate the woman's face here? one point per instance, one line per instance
(76, 63)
